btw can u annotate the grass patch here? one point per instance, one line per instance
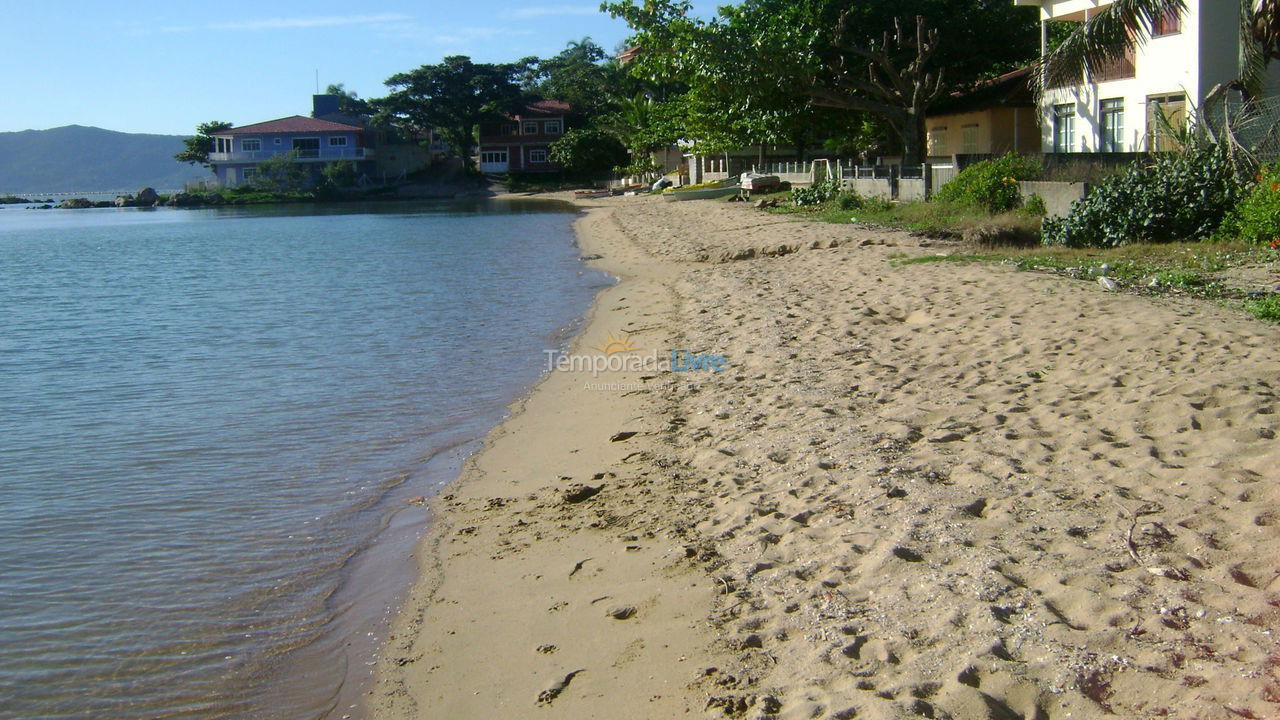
(1267, 308)
(932, 218)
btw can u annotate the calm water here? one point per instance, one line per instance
(207, 417)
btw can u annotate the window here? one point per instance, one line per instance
(1112, 127)
(938, 141)
(338, 141)
(279, 141)
(1064, 128)
(1118, 69)
(538, 156)
(1166, 115)
(530, 127)
(1168, 24)
(307, 147)
(553, 127)
(969, 139)
(251, 144)
(510, 129)
(493, 156)
(249, 174)
(222, 145)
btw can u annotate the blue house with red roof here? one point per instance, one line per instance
(318, 142)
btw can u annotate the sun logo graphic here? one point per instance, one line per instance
(616, 344)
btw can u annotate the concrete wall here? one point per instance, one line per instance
(875, 188)
(911, 189)
(1057, 196)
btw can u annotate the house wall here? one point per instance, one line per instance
(521, 144)
(1166, 65)
(1000, 130)
(229, 167)
(1204, 54)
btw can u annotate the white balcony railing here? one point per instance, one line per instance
(322, 155)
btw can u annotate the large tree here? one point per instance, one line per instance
(582, 75)
(349, 103)
(754, 71)
(452, 98)
(201, 144)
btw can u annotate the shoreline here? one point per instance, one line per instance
(539, 428)
(918, 491)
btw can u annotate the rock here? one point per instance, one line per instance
(622, 436)
(146, 197)
(1108, 284)
(621, 612)
(75, 204)
(578, 492)
(124, 201)
(906, 553)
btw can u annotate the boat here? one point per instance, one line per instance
(758, 183)
(702, 193)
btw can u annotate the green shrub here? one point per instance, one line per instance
(1174, 197)
(848, 200)
(588, 153)
(1257, 218)
(1035, 206)
(815, 194)
(1267, 308)
(991, 184)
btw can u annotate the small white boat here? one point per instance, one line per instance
(757, 183)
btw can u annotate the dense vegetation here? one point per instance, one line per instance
(1176, 196)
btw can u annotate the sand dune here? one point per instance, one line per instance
(932, 490)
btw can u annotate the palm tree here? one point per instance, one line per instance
(1107, 36)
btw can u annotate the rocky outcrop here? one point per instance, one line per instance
(146, 197)
(75, 204)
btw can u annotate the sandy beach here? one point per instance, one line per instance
(929, 490)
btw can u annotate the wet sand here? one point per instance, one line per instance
(931, 490)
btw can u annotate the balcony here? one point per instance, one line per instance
(328, 154)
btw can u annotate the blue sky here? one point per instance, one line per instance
(165, 67)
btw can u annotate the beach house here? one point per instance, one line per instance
(238, 151)
(521, 143)
(993, 117)
(1131, 105)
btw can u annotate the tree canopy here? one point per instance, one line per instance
(752, 72)
(452, 97)
(201, 144)
(582, 75)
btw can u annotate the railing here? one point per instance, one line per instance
(337, 153)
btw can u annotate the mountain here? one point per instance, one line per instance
(89, 159)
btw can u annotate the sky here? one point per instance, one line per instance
(165, 67)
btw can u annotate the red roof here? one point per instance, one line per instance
(295, 124)
(547, 107)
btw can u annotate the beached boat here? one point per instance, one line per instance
(703, 193)
(758, 183)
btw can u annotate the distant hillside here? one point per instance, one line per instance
(89, 159)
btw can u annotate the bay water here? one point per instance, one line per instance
(215, 425)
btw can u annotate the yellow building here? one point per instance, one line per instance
(993, 117)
